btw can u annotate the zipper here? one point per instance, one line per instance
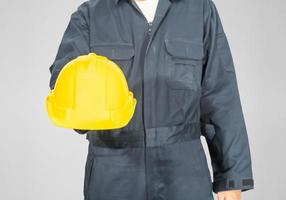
(145, 46)
(147, 37)
(146, 41)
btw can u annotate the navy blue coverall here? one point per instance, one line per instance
(181, 72)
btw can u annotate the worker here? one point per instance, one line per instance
(177, 61)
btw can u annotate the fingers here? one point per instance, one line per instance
(220, 196)
(229, 195)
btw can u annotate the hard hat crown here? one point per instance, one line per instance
(91, 93)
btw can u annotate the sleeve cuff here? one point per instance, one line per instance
(243, 184)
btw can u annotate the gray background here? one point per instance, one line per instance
(41, 161)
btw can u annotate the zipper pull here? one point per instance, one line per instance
(149, 27)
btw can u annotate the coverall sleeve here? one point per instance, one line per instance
(222, 117)
(75, 42)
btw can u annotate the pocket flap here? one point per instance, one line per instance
(184, 48)
(116, 51)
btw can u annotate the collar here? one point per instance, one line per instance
(117, 1)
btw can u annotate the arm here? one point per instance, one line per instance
(221, 113)
(75, 42)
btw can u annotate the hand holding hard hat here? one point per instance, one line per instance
(91, 93)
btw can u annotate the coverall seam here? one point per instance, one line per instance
(155, 146)
(158, 127)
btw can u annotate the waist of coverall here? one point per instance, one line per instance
(156, 136)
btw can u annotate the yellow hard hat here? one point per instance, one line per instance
(91, 93)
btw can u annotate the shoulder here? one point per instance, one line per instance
(87, 6)
(209, 7)
(84, 9)
(212, 16)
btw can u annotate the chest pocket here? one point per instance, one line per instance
(184, 64)
(121, 53)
